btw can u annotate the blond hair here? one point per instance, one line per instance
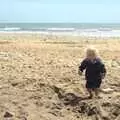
(91, 52)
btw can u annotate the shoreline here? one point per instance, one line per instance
(61, 34)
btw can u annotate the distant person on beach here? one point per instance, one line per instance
(94, 71)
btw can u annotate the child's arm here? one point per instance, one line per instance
(82, 67)
(103, 71)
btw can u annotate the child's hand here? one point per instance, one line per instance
(79, 72)
(102, 75)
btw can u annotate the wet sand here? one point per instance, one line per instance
(39, 78)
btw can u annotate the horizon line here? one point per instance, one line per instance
(66, 22)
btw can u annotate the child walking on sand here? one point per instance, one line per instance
(94, 71)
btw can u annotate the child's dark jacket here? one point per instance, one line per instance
(95, 69)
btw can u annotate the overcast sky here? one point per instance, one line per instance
(105, 11)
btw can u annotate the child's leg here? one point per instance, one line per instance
(97, 88)
(97, 91)
(90, 92)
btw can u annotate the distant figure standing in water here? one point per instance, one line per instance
(94, 71)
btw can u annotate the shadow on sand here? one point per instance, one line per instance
(72, 99)
(68, 98)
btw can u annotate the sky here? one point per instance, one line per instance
(82, 11)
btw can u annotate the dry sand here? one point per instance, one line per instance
(39, 80)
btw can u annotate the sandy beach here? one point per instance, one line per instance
(39, 78)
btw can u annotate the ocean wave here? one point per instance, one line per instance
(10, 29)
(99, 32)
(105, 29)
(61, 29)
(53, 29)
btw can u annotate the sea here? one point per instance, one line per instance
(74, 29)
